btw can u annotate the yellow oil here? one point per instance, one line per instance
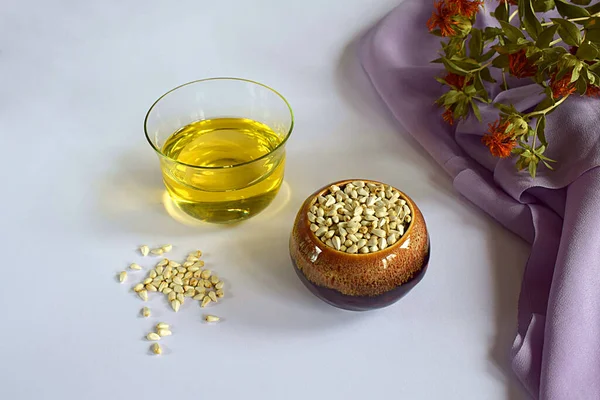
(226, 169)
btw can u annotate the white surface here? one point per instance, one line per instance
(82, 189)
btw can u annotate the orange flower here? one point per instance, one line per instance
(448, 116)
(519, 66)
(562, 87)
(458, 81)
(466, 8)
(592, 91)
(442, 19)
(498, 141)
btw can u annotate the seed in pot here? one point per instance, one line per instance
(352, 249)
(156, 349)
(311, 217)
(146, 312)
(152, 336)
(321, 231)
(364, 250)
(157, 252)
(122, 276)
(329, 234)
(330, 201)
(361, 243)
(175, 304)
(373, 249)
(320, 212)
(407, 219)
(382, 243)
(391, 239)
(211, 318)
(144, 250)
(353, 238)
(167, 248)
(164, 332)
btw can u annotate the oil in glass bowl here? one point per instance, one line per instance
(223, 170)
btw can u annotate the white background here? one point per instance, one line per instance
(81, 189)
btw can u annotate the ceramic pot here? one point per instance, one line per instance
(359, 282)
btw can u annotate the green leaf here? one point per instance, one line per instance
(437, 60)
(528, 19)
(546, 36)
(452, 67)
(486, 75)
(543, 5)
(540, 130)
(476, 110)
(501, 12)
(512, 32)
(480, 88)
(470, 90)
(587, 51)
(501, 61)
(476, 44)
(546, 103)
(532, 168)
(595, 67)
(487, 55)
(593, 35)
(576, 71)
(581, 2)
(504, 108)
(568, 31)
(451, 97)
(581, 85)
(570, 11)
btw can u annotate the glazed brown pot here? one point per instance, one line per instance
(359, 282)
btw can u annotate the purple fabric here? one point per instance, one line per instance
(556, 352)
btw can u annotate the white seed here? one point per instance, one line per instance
(352, 249)
(382, 222)
(353, 238)
(177, 288)
(361, 243)
(152, 274)
(167, 290)
(198, 297)
(122, 276)
(135, 267)
(211, 318)
(314, 227)
(143, 294)
(393, 225)
(156, 349)
(190, 293)
(177, 280)
(196, 253)
(164, 332)
(330, 201)
(343, 248)
(335, 219)
(337, 243)
(373, 249)
(311, 217)
(146, 312)
(407, 218)
(329, 234)
(359, 184)
(372, 241)
(391, 239)
(166, 248)
(175, 304)
(321, 231)
(162, 325)
(213, 296)
(378, 232)
(144, 250)
(354, 194)
(220, 293)
(180, 297)
(163, 262)
(382, 243)
(191, 259)
(320, 212)
(174, 264)
(157, 252)
(334, 188)
(152, 336)
(342, 231)
(162, 286)
(320, 221)
(138, 287)
(406, 209)
(364, 250)
(348, 243)
(151, 288)
(171, 296)
(205, 301)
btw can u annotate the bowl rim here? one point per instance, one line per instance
(313, 199)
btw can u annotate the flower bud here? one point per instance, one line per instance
(463, 25)
(520, 126)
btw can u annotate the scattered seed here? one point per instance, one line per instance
(205, 274)
(213, 296)
(157, 252)
(211, 318)
(164, 332)
(162, 325)
(152, 336)
(180, 297)
(177, 280)
(122, 276)
(138, 287)
(205, 301)
(166, 248)
(175, 304)
(144, 250)
(162, 263)
(146, 312)
(172, 296)
(219, 285)
(220, 293)
(135, 267)
(156, 349)
(143, 294)
(151, 288)
(198, 297)
(214, 279)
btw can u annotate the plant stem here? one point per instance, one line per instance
(504, 80)
(574, 19)
(514, 14)
(555, 42)
(543, 112)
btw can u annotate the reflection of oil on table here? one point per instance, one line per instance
(82, 191)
